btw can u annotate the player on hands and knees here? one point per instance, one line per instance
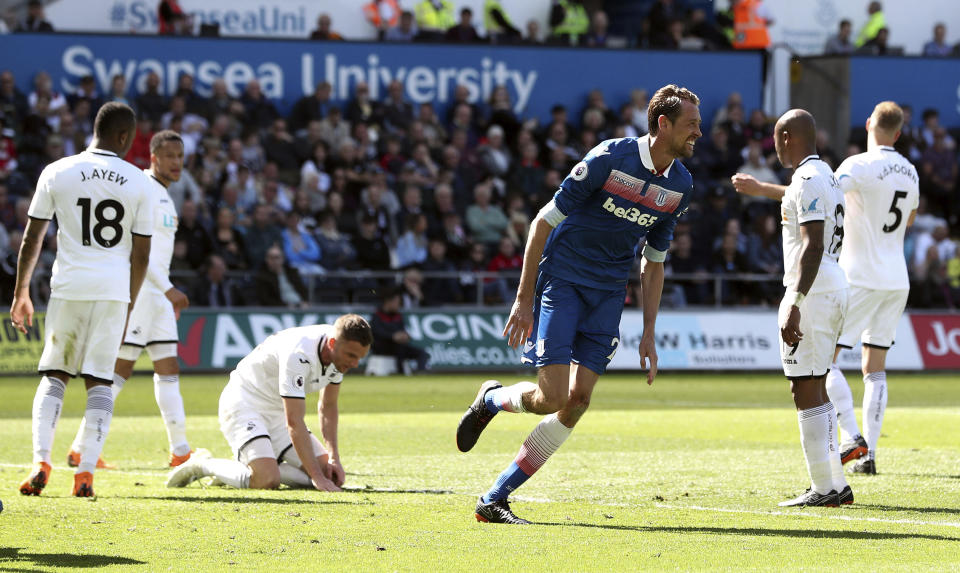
(578, 257)
(813, 307)
(104, 212)
(262, 410)
(882, 195)
(153, 321)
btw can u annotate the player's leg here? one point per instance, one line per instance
(856, 319)
(291, 467)
(166, 390)
(255, 468)
(122, 370)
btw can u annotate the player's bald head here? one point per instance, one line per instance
(799, 124)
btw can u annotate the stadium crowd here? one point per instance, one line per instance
(272, 204)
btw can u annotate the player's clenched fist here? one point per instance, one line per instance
(519, 324)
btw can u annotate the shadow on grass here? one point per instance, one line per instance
(12, 555)
(349, 489)
(761, 532)
(245, 499)
(937, 476)
(883, 507)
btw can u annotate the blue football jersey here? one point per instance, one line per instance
(611, 200)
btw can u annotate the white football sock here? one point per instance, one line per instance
(166, 389)
(816, 441)
(842, 398)
(117, 386)
(47, 404)
(542, 442)
(836, 467)
(293, 476)
(230, 472)
(511, 397)
(874, 407)
(96, 426)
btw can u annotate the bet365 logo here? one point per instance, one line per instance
(632, 214)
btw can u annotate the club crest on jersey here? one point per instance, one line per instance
(579, 171)
(661, 199)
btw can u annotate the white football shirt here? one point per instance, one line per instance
(164, 233)
(100, 201)
(813, 195)
(285, 365)
(881, 190)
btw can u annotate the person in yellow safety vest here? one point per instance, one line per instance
(435, 16)
(569, 21)
(383, 14)
(875, 22)
(497, 23)
(750, 22)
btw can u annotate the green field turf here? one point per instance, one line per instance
(682, 475)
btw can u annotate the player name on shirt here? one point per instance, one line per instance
(101, 175)
(892, 168)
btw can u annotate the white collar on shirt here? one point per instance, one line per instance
(808, 158)
(101, 151)
(647, 159)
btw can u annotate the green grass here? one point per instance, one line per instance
(682, 475)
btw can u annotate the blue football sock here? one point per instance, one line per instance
(511, 478)
(493, 403)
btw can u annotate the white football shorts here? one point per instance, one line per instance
(872, 317)
(253, 435)
(82, 337)
(821, 317)
(153, 325)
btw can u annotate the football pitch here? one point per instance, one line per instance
(682, 475)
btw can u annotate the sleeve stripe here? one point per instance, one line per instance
(140, 234)
(294, 397)
(653, 255)
(552, 214)
(40, 218)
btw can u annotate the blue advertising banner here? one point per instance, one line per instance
(921, 82)
(536, 77)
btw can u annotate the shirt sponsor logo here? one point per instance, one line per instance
(632, 214)
(631, 188)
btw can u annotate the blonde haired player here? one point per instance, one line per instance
(262, 410)
(882, 194)
(105, 218)
(153, 320)
(813, 307)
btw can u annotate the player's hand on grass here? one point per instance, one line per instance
(519, 324)
(324, 484)
(178, 299)
(746, 184)
(21, 313)
(334, 472)
(648, 352)
(790, 331)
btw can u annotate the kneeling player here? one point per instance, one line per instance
(262, 410)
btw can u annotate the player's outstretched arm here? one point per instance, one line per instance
(329, 412)
(21, 311)
(520, 321)
(811, 254)
(139, 259)
(748, 185)
(651, 285)
(295, 409)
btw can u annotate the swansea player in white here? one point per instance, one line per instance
(262, 410)
(813, 307)
(104, 213)
(153, 320)
(882, 194)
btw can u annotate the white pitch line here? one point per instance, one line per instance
(158, 473)
(804, 514)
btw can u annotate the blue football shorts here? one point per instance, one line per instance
(574, 323)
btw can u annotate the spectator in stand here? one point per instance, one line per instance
(931, 123)
(334, 130)
(279, 284)
(597, 37)
(877, 46)
(502, 114)
(825, 149)
(372, 251)
(220, 102)
(439, 291)
(13, 103)
(840, 43)
(392, 159)
(228, 241)
(765, 255)
(362, 108)
(757, 166)
(405, 31)
(8, 156)
(258, 109)
(932, 253)
(323, 31)
(568, 21)
(346, 224)
(411, 203)
(472, 288)
(533, 34)
(47, 103)
(8, 216)
(118, 90)
(299, 247)
(495, 155)
(412, 244)
(464, 32)
(434, 18)
(486, 221)
(151, 103)
(216, 289)
(139, 153)
(662, 14)
(706, 31)
(262, 234)
(431, 131)
(316, 167)
(727, 259)
(717, 158)
(335, 247)
(507, 259)
(875, 22)
(518, 228)
(35, 21)
(908, 144)
(280, 149)
(312, 107)
(759, 129)
(383, 15)
(680, 260)
(939, 176)
(374, 205)
(194, 234)
(396, 112)
(390, 337)
(422, 170)
(527, 177)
